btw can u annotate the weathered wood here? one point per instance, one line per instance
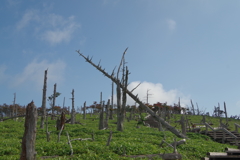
(73, 109)
(59, 134)
(216, 154)
(29, 137)
(14, 107)
(171, 156)
(109, 138)
(107, 113)
(225, 110)
(47, 133)
(44, 100)
(183, 141)
(81, 139)
(135, 98)
(111, 108)
(54, 98)
(84, 110)
(70, 144)
(193, 108)
(101, 116)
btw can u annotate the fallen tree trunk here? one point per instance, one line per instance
(135, 98)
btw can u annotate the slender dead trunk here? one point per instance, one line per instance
(73, 110)
(225, 110)
(29, 136)
(84, 110)
(111, 108)
(101, 118)
(54, 97)
(193, 108)
(107, 110)
(119, 110)
(135, 98)
(43, 117)
(14, 107)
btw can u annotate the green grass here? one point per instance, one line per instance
(132, 141)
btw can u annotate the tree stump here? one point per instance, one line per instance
(29, 136)
(61, 122)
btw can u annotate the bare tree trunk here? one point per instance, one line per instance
(135, 98)
(124, 98)
(84, 110)
(101, 119)
(14, 107)
(193, 108)
(61, 121)
(107, 112)
(225, 110)
(29, 136)
(119, 110)
(54, 97)
(73, 110)
(43, 117)
(111, 109)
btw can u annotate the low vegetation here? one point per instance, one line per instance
(132, 141)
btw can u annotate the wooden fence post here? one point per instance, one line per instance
(29, 136)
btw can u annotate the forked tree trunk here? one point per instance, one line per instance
(43, 117)
(29, 136)
(135, 98)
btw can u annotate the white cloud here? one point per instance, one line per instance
(59, 35)
(171, 24)
(30, 15)
(52, 28)
(34, 73)
(3, 76)
(156, 94)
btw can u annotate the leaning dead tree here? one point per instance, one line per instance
(43, 118)
(135, 98)
(29, 136)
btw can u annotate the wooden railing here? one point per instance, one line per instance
(236, 127)
(225, 131)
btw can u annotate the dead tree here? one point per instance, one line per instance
(61, 121)
(73, 110)
(14, 107)
(53, 102)
(43, 117)
(111, 109)
(101, 119)
(84, 110)
(225, 110)
(107, 112)
(29, 136)
(193, 108)
(135, 98)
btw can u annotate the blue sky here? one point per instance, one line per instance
(187, 49)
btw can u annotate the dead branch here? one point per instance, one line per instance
(116, 81)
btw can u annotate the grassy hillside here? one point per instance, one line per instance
(133, 141)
